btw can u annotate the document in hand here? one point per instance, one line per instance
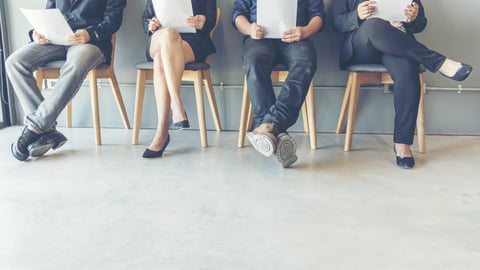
(391, 10)
(50, 23)
(276, 16)
(174, 13)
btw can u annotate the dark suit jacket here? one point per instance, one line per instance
(208, 8)
(101, 18)
(345, 20)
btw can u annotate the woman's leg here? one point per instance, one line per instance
(174, 54)
(167, 80)
(382, 36)
(404, 73)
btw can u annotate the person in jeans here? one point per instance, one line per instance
(274, 115)
(93, 23)
(170, 51)
(391, 43)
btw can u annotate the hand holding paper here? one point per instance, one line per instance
(174, 14)
(50, 24)
(276, 16)
(391, 10)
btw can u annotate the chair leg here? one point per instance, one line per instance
(312, 126)
(119, 100)
(139, 97)
(305, 116)
(95, 111)
(212, 100)
(200, 108)
(352, 110)
(69, 114)
(421, 118)
(244, 115)
(343, 110)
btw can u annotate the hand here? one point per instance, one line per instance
(366, 9)
(256, 31)
(411, 12)
(292, 35)
(39, 38)
(81, 36)
(154, 24)
(197, 22)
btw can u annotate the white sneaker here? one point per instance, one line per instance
(264, 143)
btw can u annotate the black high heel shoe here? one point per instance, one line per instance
(181, 124)
(405, 162)
(462, 73)
(154, 154)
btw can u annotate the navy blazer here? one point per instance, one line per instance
(345, 20)
(208, 8)
(101, 18)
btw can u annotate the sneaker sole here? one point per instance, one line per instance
(286, 151)
(40, 150)
(263, 143)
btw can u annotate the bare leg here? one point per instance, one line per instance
(174, 54)
(403, 150)
(169, 53)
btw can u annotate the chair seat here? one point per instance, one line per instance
(59, 64)
(373, 68)
(148, 65)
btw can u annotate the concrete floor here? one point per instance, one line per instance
(105, 208)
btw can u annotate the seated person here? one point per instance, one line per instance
(170, 51)
(93, 22)
(391, 43)
(274, 115)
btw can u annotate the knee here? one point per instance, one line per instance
(167, 36)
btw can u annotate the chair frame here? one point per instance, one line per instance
(350, 102)
(308, 110)
(198, 77)
(94, 74)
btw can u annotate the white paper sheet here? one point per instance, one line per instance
(391, 10)
(173, 13)
(276, 16)
(50, 23)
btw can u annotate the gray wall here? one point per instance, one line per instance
(449, 31)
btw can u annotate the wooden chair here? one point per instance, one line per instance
(373, 74)
(194, 72)
(52, 71)
(279, 74)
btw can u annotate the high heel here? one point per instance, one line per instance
(181, 124)
(405, 162)
(462, 73)
(154, 154)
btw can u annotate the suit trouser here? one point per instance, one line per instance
(259, 58)
(377, 41)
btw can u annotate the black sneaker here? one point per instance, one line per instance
(52, 139)
(20, 147)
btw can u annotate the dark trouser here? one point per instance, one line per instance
(259, 58)
(376, 41)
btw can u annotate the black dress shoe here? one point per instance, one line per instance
(154, 154)
(405, 162)
(181, 124)
(462, 73)
(20, 147)
(50, 140)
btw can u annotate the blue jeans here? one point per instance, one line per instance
(40, 113)
(259, 58)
